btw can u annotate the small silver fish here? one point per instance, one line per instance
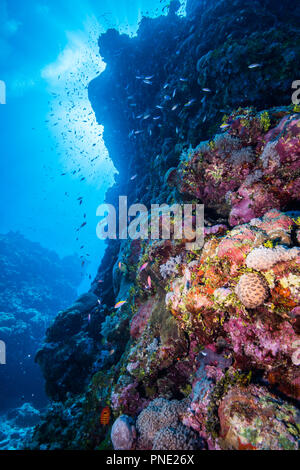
(189, 103)
(254, 66)
(206, 90)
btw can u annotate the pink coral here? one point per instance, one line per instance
(263, 258)
(264, 179)
(123, 433)
(140, 319)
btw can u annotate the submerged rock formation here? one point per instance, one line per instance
(34, 285)
(195, 109)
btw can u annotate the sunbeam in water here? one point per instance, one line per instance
(71, 116)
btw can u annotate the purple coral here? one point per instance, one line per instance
(123, 433)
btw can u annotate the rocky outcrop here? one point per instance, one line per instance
(17, 425)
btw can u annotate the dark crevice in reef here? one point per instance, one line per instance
(258, 379)
(127, 358)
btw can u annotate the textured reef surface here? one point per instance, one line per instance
(205, 352)
(34, 285)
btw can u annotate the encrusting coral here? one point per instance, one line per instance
(263, 259)
(237, 174)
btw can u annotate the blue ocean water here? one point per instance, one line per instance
(48, 55)
(54, 167)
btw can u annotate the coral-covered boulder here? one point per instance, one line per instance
(245, 289)
(123, 433)
(248, 170)
(152, 365)
(253, 419)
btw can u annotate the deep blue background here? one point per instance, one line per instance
(35, 199)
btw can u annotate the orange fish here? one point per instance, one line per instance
(105, 416)
(246, 446)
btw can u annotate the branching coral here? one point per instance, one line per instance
(270, 154)
(243, 155)
(225, 144)
(170, 267)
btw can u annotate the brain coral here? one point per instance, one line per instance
(252, 290)
(176, 438)
(161, 413)
(265, 258)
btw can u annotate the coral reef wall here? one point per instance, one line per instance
(205, 351)
(210, 49)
